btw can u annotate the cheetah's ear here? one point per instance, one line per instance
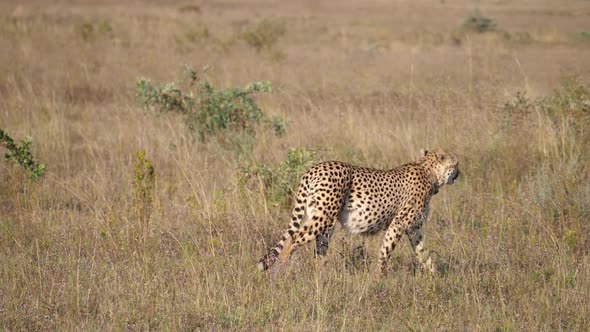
(423, 152)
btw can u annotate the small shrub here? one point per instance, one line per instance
(231, 109)
(264, 35)
(572, 100)
(197, 34)
(166, 98)
(542, 276)
(517, 109)
(210, 112)
(520, 37)
(144, 185)
(281, 180)
(479, 23)
(571, 239)
(570, 103)
(584, 35)
(558, 192)
(89, 31)
(187, 9)
(22, 155)
(278, 125)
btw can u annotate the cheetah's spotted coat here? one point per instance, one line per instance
(366, 201)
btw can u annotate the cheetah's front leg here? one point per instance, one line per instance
(422, 254)
(392, 236)
(405, 219)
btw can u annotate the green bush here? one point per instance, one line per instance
(479, 23)
(264, 35)
(89, 31)
(518, 37)
(21, 154)
(570, 103)
(144, 187)
(210, 112)
(198, 34)
(555, 176)
(516, 110)
(281, 180)
(584, 35)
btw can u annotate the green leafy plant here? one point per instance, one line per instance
(518, 37)
(166, 98)
(570, 103)
(197, 34)
(281, 180)
(479, 23)
(517, 109)
(89, 31)
(208, 111)
(21, 155)
(571, 239)
(584, 35)
(264, 35)
(190, 9)
(278, 125)
(144, 184)
(572, 100)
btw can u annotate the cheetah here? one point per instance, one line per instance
(366, 201)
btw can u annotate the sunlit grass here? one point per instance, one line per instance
(89, 247)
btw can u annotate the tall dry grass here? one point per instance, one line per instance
(364, 83)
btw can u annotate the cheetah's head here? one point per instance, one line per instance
(445, 166)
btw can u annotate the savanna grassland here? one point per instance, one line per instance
(146, 220)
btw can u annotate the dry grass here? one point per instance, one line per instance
(368, 83)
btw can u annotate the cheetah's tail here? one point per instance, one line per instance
(273, 254)
(297, 216)
(268, 260)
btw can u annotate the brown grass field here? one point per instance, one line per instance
(365, 82)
